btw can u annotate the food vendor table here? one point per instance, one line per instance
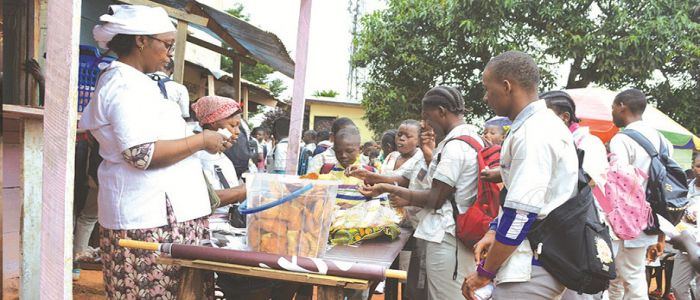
(379, 252)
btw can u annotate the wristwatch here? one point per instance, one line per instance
(483, 272)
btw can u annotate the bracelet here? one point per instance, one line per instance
(483, 272)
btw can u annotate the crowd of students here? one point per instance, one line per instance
(423, 170)
(551, 238)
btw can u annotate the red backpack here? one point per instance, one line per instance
(472, 225)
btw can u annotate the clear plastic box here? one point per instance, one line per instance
(299, 226)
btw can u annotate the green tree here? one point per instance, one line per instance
(259, 73)
(326, 93)
(414, 45)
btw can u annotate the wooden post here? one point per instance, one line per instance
(31, 140)
(236, 73)
(297, 115)
(60, 119)
(210, 85)
(245, 102)
(180, 43)
(2, 211)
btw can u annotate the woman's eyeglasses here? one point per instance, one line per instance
(169, 46)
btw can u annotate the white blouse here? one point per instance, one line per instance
(126, 110)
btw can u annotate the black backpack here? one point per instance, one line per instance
(667, 189)
(572, 244)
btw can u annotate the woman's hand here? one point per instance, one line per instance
(215, 142)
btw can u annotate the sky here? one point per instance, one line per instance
(329, 40)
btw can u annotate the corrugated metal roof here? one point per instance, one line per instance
(263, 46)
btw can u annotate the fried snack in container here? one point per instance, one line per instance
(299, 226)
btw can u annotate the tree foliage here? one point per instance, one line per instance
(414, 45)
(326, 93)
(259, 73)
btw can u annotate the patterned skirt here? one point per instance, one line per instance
(134, 274)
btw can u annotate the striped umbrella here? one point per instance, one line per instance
(594, 108)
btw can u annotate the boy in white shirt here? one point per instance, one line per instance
(539, 167)
(278, 156)
(630, 260)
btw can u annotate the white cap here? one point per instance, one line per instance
(131, 19)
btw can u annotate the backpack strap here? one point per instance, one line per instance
(464, 138)
(455, 211)
(326, 168)
(161, 80)
(642, 141)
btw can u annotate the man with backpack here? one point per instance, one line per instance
(539, 168)
(595, 160)
(627, 147)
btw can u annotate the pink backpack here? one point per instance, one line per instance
(624, 202)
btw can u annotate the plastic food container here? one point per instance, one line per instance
(287, 215)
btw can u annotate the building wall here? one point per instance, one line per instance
(352, 112)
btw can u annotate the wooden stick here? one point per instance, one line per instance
(297, 115)
(139, 245)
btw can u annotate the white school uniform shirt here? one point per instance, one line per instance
(279, 156)
(178, 94)
(411, 170)
(389, 165)
(127, 110)
(458, 168)
(539, 166)
(595, 160)
(694, 207)
(209, 163)
(325, 157)
(628, 151)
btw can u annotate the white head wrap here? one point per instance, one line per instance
(131, 19)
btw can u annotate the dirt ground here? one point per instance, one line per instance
(88, 287)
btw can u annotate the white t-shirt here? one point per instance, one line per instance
(628, 151)
(539, 167)
(128, 110)
(458, 168)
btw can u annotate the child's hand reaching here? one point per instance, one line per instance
(357, 171)
(371, 191)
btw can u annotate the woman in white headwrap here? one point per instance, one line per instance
(150, 186)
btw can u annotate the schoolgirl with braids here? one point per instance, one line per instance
(453, 174)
